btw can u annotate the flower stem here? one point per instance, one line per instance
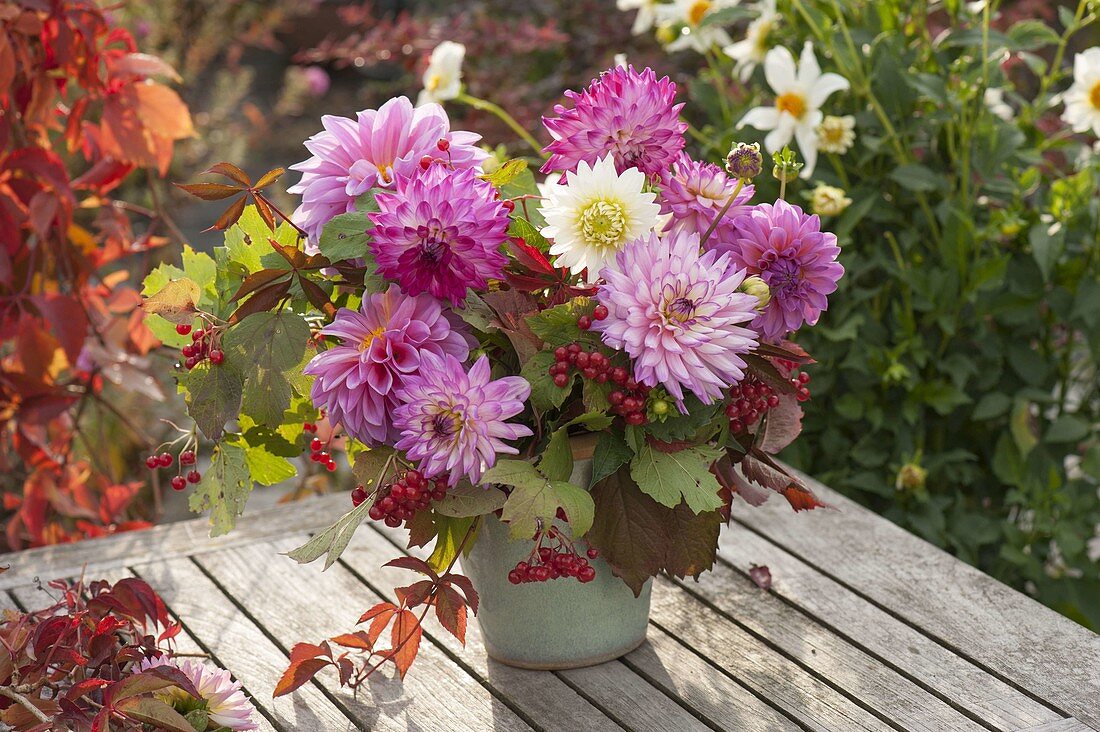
(486, 106)
(722, 213)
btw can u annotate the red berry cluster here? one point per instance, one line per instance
(201, 347)
(628, 401)
(749, 400)
(401, 500)
(318, 454)
(554, 561)
(165, 460)
(799, 379)
(444, 146)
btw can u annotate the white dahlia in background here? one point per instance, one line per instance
(800, 91)
(595, 214)
(1082, 100)
(836, 134)
(689, 16)
(750, 52)
(646, 17)
(994, 100)
(443, 77)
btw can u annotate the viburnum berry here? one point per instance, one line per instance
(509, 205)
(152, 462)
(592, 552)
(216, 357)
(584, 322)
(426, 162)
(183, 328)
(331, 466)
(405, 497)
(197, 334)
(165, 459)
(316, 445)
(358, 495)
(190, 362)
(309, 427)
(179, 483)
(187, 457)
(194, 476)
(600, 312)
(443, 144)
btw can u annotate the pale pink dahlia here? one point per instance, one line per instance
(440, 232)
(630, 114)
(453, 422)
(694, 192)
(221, 696)
(678, 314)
(382, 346)
(351, 156)
(797, 260)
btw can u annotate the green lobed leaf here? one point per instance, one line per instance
(467, 499)
(213, 396)
(670, 477)
(545, 394)
(224, 488)
(578, 506)
(333, 540)
(369, 463)
(558, 325)
(271, 344)
(507, 172)
(557, 458)
(346, 236)
(267, 468)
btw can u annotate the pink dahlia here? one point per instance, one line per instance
(382, 347)
(221, 696)
(453, 422)
(797, 260)
(351, 156)
(678, 314)
(694, 193)
(440, 231)
(627, 113)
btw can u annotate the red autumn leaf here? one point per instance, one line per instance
(405, 641)
(264, 299)
(380, 616)
(450, 610)
(264, 209)
(142, 65)
(413, 563)
(230, 216)
(761, 576)
(358, 640)
(232, 172)
(269, 177)
(802, 498)
(257, 280)
(415, 594)
(209, 191)
(298, 673)
(466, 586)
(302, 651)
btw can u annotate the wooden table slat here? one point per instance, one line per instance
(976, 616)
(878, 632)
(299, 603)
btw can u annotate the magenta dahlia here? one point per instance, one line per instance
(797, 260)
(351, 156)
(630, 114)
(678, 314)
(382, 346)
(694, 192)
(454, 422)
(440, 231)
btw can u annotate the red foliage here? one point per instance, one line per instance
(79, 112)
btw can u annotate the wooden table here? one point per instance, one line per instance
(866, 627)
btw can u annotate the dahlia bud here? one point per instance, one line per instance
(911, 477)
(758, 288)
(786, 165)
(828, 200)
(745, 161)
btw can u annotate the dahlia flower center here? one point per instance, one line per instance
(603, 223)
(370, 337)
(433, 82)
(384, 173)
(680, 309)
(833, 134)
(433, 246)
(447, 423)
(697, 11)
(1094, 95)
(784, 276)
(793, 103)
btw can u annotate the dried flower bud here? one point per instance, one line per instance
(911, 477)
(759, 289)
(745, 161)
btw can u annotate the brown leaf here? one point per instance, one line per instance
(450, 610)
(298, 673)
(209, 191)
(466, 586)
(175, 302)
(230, 216)
(405, 640)
(256, 280)
(316, 296)
(232, 172)
(263, 300)
(628, 529)
(269, 177)
(412, 563)
(155, 712)
(761, 576)
(264, 209)
(415, 594)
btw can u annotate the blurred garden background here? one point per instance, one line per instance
(956, 387)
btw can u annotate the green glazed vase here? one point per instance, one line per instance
(560, 623)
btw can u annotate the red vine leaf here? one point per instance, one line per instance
(299, 672)
(761, 576)
(358, 640)
(263, 300)
(450, 609)
(405, 639)
(466, 586)
(209, 191)
(256, 280)
(414, 563)
(230, 216)
(232, 172)
(415, 594)
(269, 177)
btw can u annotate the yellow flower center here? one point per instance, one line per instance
(762, 32)
(447, 423)
(1094, 95)
(698, 10)
(603, 224)
(376, 333)
(832, 134)
(792, 103)
(433, 82)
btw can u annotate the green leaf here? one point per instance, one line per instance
(224, 488)
(476, 313)
(271, 340)
(545, 394)
(532, 503)
(266, 467)
(671, 476)
(1029, 35)
(916, 177)
(611, 453)
(1067, 428)
(558, 325)
(345, 237)
(267, 396)
(1046, 248)
(369, 463)
(333, 540)
(511, 472)
(577, 504)
(991, 406)
(175, 301)
(467, 499)
(154, 712)
(507, 172)
(677, 426)
(213, 396)
(523, 228)
(450, 531)
(557, 458)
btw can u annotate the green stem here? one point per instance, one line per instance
(487, 106)
(725, 208)
(719, 87)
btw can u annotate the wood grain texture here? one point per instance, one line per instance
(168, 540)
(296, 603)
(1062, 725)
(891, 640)
(976, 616)
(785, 684)
(546, 700)
(239, 645)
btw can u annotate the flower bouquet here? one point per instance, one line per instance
(553, 381)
